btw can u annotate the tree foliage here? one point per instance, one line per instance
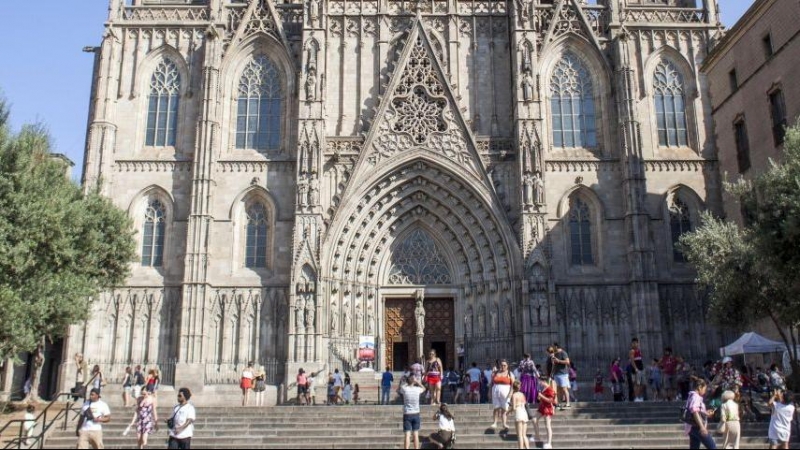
(59, 247)
(753, 271)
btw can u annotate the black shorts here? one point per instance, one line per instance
(302, 390)
(179, 444)
(411, 422)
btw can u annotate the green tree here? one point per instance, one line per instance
(753, 272)
(59, 247)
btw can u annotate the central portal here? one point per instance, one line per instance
(401, 331)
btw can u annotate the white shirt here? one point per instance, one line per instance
(780, 425)
(182, 414)
(446, 424)
(247, 373)
(99, 409)
(337, 379)
(488, 375)
(411, 398)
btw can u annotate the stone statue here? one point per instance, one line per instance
(538, 304)
(347, 320)
(334, 318)
(524, 11)
(299, 310)
(313, 192)
(313, 12)
(481, 321)
(419, 313)
(527, 86)
(310, 313)
(468, 324)
(527, 189)
(302, 193)
(311, 85)
(493, 320)
(538, 189)
(370, 322)
(359, 320)
(507, 319)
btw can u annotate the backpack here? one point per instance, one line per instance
(452, 377)
(139, 379)
(261, 385)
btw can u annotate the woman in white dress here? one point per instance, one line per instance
(502, 380)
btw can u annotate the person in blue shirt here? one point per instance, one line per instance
(386, 386)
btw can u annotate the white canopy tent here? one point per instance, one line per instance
(752, 343)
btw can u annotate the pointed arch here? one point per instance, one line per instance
(581, 214)
(682, 207)
(670, 82)
(253, 215)
(417, 259)
(152, 211)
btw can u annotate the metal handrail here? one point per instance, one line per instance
(37, 441)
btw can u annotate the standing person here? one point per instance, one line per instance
(669, 369)
(573, 382)
(246, 382)
(151, 383)
(780, 423)
(461, 354)
(302, 387)
(461, 389)
(433, 374)
(82, 369)
(547, 401)
(655, 378)
(386, 386)
(338, 387)
(729, 420)
(260, 386)
(598, 386)
(127, 386)
(138, 382)
(518, 402)
(486, 383)
(311, 388)
(637, 370)
(697, 423)
(617, 380)
(475, 376)
(731, 378)
(453, 379)
(411, 420)
(145, 418)
(561, 366)
(417, 370)
(30, 423)
(347, 391)
(94, 413)
(181, 424)
(527, 378)
(682, 375)
(447, 427)
(501, 393)
(776, 380)
(97, 378)
(355, 393)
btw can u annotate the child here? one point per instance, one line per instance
(30, 423)
(655, 381)
(355, 394)
(546, 410)
(598, 386)
(331, 393)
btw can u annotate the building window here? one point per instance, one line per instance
(580, 233)
(670, 106)
(742, 145)
(733, 80)
(260, 96)
(256, 245)
(162, 111)
(153, 239)
(679, 223)
(778, 109)
(572, 104)
(766, 41)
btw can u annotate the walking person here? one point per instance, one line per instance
(453, 380)
(527, 378)
(181, 424)
(447, 427)
(138, 382)
(387, 378)
(637, 370)
(411, 392)
(697, 421)
(518, 402)
(729, 420)
(561, 366)
(433, 374)
(338, 387)
(780, 423)
(98, 381)
(246, 382)
(94, 413)
(145, 418)
(502, 381)
(260, 386)
(547, 401)
(127, 387)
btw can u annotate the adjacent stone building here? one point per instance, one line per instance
(498, 173)
(753, 96)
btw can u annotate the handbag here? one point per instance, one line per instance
(171, 420)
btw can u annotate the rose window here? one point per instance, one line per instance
(419, 115)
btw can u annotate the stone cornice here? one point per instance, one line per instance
(152, 166)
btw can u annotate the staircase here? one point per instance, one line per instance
(585, 425)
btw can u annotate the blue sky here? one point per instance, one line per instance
(46, 77)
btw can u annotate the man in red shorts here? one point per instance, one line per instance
(474, 374)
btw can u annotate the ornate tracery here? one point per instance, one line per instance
(670, 105)
(162, 110)
(572, 104)
(418, 261)
(259, 103)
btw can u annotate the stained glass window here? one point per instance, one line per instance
(256, 241)
(418, 261)
(572, 104)
(580, 233)
(670, 105)
(260, 96)
(153, 236)
(162, 111)
(679, 222)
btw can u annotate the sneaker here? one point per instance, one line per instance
(547, 445)
(638, 400)
(532, 440)
(494, 426)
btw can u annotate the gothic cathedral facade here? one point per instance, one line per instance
(497, 174)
